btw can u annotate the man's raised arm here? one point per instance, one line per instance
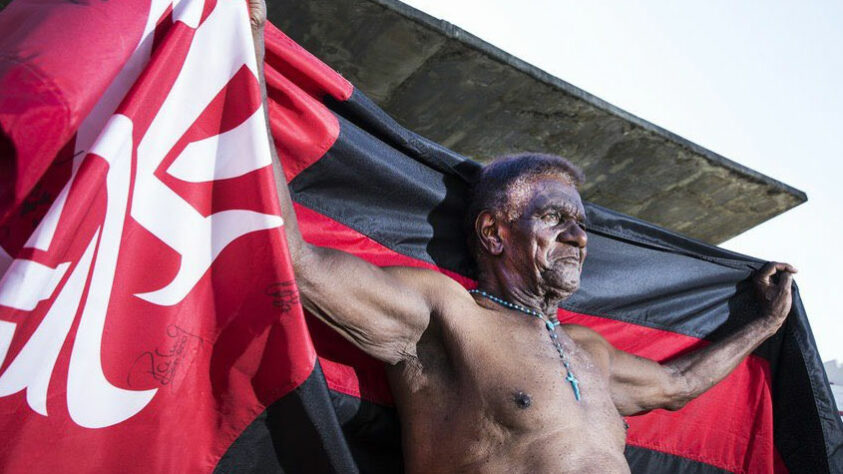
(381, 310)
(639, 385)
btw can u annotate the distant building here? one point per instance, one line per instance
(834, 369)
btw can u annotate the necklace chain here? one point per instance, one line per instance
(551, 329)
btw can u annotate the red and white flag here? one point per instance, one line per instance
(148, 310)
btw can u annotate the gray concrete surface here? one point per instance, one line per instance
(452, 87)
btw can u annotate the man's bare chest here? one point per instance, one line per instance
(507, 378)
(528, 379)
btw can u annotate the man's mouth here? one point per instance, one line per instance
(571, 260)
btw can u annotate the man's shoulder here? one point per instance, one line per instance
(595, 345)
(439, 288)
(586, 337)
(577, 331)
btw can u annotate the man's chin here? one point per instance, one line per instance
(562, 284)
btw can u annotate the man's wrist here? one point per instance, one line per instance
(770, 324)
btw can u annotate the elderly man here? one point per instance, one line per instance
(488, 380)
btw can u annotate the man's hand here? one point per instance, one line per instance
(257, 14)
(772, 284)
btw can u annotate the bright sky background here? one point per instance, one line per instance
(760, 83)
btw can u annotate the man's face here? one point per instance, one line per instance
(548, 240)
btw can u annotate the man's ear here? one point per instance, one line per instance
(489, 232)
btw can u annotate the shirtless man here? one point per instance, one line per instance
(478, 379)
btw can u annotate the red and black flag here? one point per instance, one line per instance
(148, 316)
(364, 184)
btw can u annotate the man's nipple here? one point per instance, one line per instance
(522, 400)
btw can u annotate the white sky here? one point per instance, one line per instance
(760, 83)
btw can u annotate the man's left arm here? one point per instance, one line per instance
(639, 385)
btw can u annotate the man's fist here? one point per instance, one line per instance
(772, 283)
(257, 13)
(257, 16)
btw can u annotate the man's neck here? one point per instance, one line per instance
(514, 291)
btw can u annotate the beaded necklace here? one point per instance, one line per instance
(554, 338)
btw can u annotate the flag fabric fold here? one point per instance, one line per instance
(149, 319)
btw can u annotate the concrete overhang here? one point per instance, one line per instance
(466, 94)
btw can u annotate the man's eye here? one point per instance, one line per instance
(552, 218)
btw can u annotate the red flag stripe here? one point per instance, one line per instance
(302, 126)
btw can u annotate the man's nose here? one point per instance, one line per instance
(574, 235)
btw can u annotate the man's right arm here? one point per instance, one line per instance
(383, 311)
(638, 385)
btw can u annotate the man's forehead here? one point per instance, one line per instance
(529, 193)
(551, 192)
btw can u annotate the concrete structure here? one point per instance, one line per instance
(452, 87)
(834, 370)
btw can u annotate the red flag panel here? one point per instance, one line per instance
(148, 309)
